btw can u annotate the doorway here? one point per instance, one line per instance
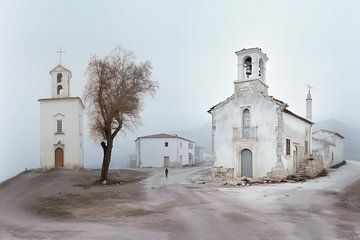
(246, 163)
(166, 161)
(59, 158)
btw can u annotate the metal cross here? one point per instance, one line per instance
(60, 52)
(309, 87)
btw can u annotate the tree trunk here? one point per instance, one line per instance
(106, 160)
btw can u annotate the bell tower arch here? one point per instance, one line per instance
(251, 70)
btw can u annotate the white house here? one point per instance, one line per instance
(61, 124)
(329, 145)
(164, 150)
(254, 134)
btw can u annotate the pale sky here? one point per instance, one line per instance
(191, 45)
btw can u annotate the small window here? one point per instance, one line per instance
(59, 90)
(59, 77)
(306, 147)
(181, 144)
(287, 146)
(166, 144)
(191, 146)
(59, 126)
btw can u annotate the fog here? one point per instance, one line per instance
(191, 45)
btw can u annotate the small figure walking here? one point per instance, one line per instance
(166, 172)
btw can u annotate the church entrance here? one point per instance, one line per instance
(246, 163)
(59, 158)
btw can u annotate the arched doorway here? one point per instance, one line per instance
(246, 163)
(59, 158)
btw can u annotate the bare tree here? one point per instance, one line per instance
(114, 94)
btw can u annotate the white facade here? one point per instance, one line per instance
(254, 134)
(61, 124)
(329, 145)
(164, 150)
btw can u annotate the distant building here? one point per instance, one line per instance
(329, 145)
(164, 150)
(254, 134)
(61, 124)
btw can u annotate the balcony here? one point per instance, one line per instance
(247, 133)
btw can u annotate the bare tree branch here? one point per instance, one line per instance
(114, 94)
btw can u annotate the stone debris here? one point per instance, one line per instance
(244, 181)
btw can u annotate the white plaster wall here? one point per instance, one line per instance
(263, 116)
(70, 110)
(298, 131)
(151, 151)
(335, 146)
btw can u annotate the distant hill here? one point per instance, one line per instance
(352, 136)
(201, 136)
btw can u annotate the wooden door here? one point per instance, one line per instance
(246, 163)
(59, 158)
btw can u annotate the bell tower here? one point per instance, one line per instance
(251, 70)
(60, 79)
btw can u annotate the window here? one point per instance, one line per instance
(181, 144)
(306, 147)
(191, 146)
(59, 90)
(246, 123)
(59, 78)
(247, 67)
(166, 144)
(59, 126)
(287, 146)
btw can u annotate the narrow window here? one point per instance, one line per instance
(190, 146)
(181, 144)
(246, 123)
(59, 78)
(247, 67)
(59, 90)
(166, 144)
(306, 147)
(59, 126)
(287, 146)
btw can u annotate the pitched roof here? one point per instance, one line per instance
(60, 67)
(164, 135)
(322, 140)
(328, 131)
(221, 103)
(298, 116)
(276, 101)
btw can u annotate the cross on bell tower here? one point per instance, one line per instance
(60, 79)
(60, 52)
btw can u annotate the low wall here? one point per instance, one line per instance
(223, 172)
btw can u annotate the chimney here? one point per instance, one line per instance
(309, 106)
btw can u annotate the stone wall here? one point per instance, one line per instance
(220, 172)
(314, 166)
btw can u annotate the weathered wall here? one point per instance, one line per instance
(298, 132)
(263, 120)
(330, 146)
(314, 166)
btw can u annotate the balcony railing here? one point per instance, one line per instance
(240, 133)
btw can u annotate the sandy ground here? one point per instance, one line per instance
(146, 205)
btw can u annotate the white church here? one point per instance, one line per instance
(61, 124)
(254, 134)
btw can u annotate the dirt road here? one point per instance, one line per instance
(176, 208)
